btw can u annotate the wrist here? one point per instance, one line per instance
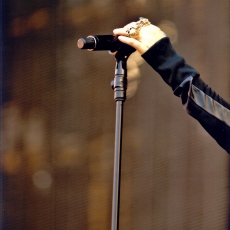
(150, 40)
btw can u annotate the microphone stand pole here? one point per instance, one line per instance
(119, 85)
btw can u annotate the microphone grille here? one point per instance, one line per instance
(86, 43)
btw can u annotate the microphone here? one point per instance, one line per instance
(99, 42)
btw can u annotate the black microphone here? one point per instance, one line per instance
(99, 42)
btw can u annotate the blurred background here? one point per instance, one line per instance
(58, 119)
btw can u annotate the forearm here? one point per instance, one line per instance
(199, 100)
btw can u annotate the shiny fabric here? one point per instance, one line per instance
(211, 106)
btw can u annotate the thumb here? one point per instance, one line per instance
(132, 42)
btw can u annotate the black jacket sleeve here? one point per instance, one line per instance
(198, 99)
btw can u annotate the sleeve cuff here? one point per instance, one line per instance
(172, 67)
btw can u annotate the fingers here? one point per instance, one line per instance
(134, 43)
(123, 31)
(129, 41)
(122, 34)
(123, 37)
(120, 31)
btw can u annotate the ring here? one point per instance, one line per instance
(133, 32)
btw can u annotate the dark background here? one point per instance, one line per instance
(58, 119)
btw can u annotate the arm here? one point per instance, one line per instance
(198, 99)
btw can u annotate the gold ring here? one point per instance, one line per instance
(133, 32)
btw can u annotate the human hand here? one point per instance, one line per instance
(148, 35)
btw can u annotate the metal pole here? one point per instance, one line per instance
(119, 87)
(117, 166)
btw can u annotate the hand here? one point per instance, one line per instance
(148, 36)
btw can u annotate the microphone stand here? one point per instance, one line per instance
(119, 85)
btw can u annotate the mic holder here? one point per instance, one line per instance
(119, 84)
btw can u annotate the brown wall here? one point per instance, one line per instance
(58, 120)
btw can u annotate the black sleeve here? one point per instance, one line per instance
(198, 99)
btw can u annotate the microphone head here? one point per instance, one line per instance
(86, 43)
(80, 43)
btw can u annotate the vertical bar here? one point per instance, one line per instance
(117, 166)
